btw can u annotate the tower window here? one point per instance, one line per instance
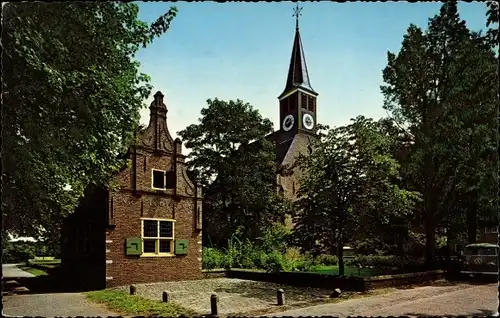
(311, 103)
(304, 101)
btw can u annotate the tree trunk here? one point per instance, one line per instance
(449, 236)
(340, 248)
(472, 223)
(340, 255)
(430, 245)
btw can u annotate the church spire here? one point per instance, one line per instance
(298, 76)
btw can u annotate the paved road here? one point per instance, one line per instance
(53, 305)
(49, 304)
(12, 271)
(439, 299)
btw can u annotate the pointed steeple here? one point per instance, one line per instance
(298, 76)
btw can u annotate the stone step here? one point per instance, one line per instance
(20, 290)
(11, 283)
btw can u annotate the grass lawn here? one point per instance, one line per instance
(45, 261)
(123, 303)
(348, 271)
(35, 271)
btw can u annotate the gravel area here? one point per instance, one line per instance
(235, 295)
(441, 298)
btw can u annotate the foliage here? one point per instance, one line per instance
(71, 93)
(493, 17)
(270, 253)
(120, 301)
(349, 189)
(441, 90)
(383, 262)
(236, 165)
(17, 252)
(328, 259)
(213, 258)
(275, 237)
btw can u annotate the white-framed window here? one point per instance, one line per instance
(158, 179)
(162, 180)
(491, 229)
(157, 237)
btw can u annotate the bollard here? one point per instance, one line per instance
(281, 297)
(165, 297)
(132, 290)
(213, 305)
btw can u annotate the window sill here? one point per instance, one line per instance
(157, 255)
(159, 189)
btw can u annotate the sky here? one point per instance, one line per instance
(242, 51)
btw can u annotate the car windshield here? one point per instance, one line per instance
(479, 250)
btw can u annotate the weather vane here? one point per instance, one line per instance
(297, 14)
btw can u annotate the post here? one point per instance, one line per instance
(165, 297)
(213, 305)
(132, 290)
(281, 297)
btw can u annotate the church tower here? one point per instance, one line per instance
(297, 103)
(297, 133)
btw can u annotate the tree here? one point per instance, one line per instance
(440, 88)
(71, 97)
(237, 167)
(493, 17)
(349, 189)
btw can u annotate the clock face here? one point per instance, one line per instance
(288, 122)
(308, 121)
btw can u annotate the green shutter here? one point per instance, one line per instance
(181, 247)
(134, 246)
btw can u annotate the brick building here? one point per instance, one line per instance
(148, 229)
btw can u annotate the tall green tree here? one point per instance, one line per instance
(349, 189)
(237, 167)
(440, 88)
(71, 93)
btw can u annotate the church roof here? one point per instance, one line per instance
(298, 76)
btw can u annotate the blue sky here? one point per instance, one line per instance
(242, 51)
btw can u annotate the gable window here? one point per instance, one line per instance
(157, 237)
(162, 180)
(158, 179)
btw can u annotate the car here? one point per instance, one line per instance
(479, 259)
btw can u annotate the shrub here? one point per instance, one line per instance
(213, 258)
(259, 258)
(275, 238)
(17, 252)
(275, 262)
(326, 259)
(383, 262)
(245, 257)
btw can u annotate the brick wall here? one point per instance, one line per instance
(135, 199)
(291, 183)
